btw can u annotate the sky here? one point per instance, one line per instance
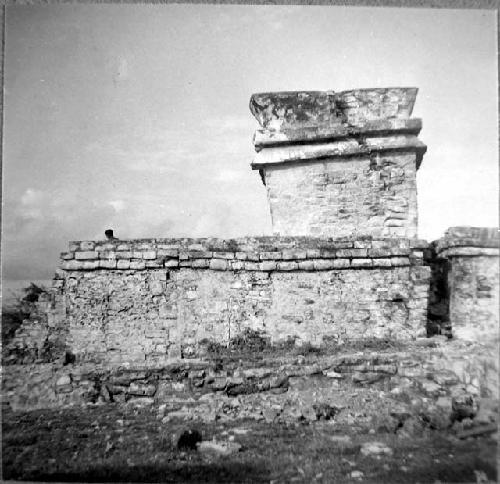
(135, 117)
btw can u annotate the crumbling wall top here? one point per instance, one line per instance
(307, 125)
(302, 109)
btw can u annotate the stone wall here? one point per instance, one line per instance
(157, 299)
(471, 255)
(359, 196)
(339, 164)
(201, 389)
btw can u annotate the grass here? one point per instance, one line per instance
(254, 348)
(122, 444)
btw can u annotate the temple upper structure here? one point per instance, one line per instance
(339, 164)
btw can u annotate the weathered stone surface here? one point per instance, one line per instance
(470, 284)
(283, 136)
(145, 317)
(336, 150)
(349, 198)
(362, 105)
(339, 163)
(326, 108)
(281, 109)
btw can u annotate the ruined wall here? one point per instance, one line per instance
(339, 164)
(472, 259)
(183, 291)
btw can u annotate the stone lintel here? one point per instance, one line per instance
(383, 127)
(339, 149)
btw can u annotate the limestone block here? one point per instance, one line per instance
(293, 254)
(123, 247)
(241, 255)
(87, 245)
(218, 264)
(224, 255)
(86, 255)
(400, 261)
(171, 263)
(123, 264)
(200, 254)
(382, 262)
(359, 253)
(252, 266)
(154, 264)
(137, 265)
(362, 244)
(328, 253)
(149, 254)
(90, 265)
(67, 255)
(341, 263)
(313, 253)
(270, 255)
(144, 246)
(361, 263)
(63, 380)
(168, 253)
(104, 247)
(110, 255)
(124, 255)
(306, 265)
(323, 264)
(107, 264)
(268, 265)
(288, 266)
(157, 288)
(237, 265)
(200, 263)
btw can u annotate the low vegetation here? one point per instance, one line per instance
(112, 443)
(19, 309)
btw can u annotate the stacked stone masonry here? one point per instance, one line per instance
(155, 299)
(471, 258)
(339, 164)
(340, 172)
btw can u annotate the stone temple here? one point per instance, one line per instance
(340, 164)
(344, 262)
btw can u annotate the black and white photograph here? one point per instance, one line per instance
(250, 243)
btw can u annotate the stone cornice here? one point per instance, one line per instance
(468, 242)
(351, 147)
(249, 254)
(265, 138)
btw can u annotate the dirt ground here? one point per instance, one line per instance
(112, 443)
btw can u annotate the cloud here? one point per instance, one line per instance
(31, 204)
(118, 205)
